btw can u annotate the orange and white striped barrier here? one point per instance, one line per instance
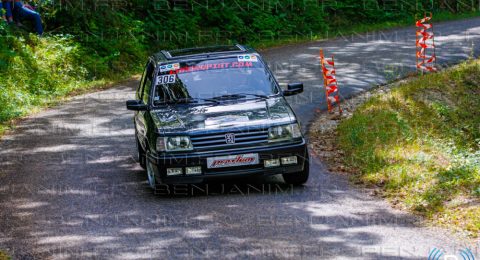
(425, 41)
(330, 82)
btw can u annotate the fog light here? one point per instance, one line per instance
(174, 171)
(193, 170)
(272, 163)
(289, 160)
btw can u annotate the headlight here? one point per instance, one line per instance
(284, 132)
(160, 144)
(174, 144)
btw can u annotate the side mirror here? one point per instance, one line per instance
(293, 89)
(136, 105)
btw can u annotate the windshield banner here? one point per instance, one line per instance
(215, 66)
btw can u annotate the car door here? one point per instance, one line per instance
(144, 95)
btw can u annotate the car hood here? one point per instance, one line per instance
(182, 118)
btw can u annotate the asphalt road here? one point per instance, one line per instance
(70, 186)
(366, 60)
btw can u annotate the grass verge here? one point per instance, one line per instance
(39, 72)
(4, 256)
(420, 144)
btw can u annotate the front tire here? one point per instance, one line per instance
(298, 178)
(142, 159)
(151, 177)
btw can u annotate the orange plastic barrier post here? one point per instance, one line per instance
(425, 41)
(330, 82)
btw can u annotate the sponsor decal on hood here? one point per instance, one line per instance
(215, 116)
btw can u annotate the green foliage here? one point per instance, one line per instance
(253, 21)
(4, 256)
(83, 47)
(421, 142)
(112, 38)
(34, 69)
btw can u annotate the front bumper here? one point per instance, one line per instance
(161, 163)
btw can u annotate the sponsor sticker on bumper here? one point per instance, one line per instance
(232, 160)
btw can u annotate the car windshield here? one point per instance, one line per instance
(240, 77)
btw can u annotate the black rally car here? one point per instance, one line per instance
(216, 112)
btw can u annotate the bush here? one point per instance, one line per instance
(421, 144)
(35, 69)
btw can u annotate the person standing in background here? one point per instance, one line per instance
(6, 10)
(25, 12)
(2, 12)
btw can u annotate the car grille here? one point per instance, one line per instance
(217, 141)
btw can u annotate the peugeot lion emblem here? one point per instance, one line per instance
(230, 138)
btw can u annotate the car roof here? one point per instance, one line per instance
(202, 53)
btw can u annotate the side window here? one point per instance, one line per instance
(148, 84)
(142, 82)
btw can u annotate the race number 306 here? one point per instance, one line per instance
(167, 79)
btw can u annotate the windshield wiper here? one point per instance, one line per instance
(192, 100)
(238, 96)
(255, 95)
(227, 97)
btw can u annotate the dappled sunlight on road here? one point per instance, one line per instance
(366, 60)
